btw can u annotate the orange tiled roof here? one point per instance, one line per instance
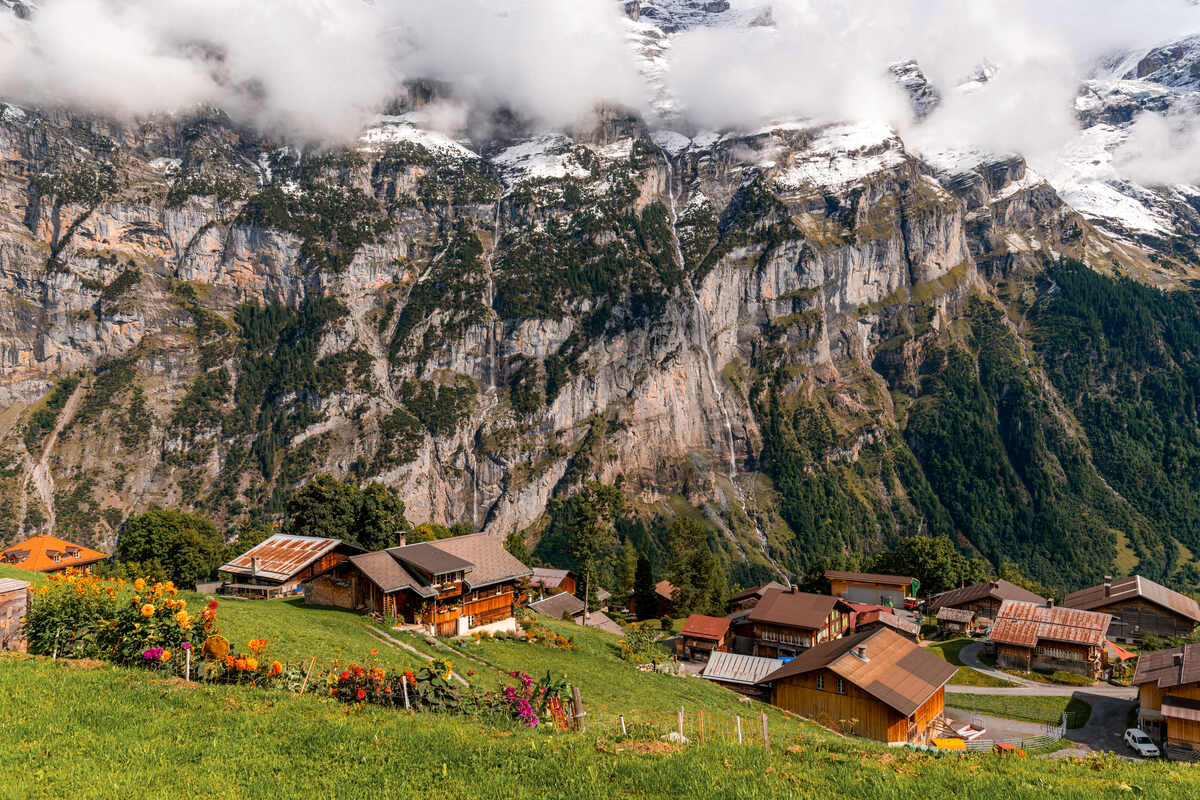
(45, 553)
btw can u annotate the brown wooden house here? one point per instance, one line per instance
(953, 621)
(877, 684)
(449, 587)
(281, 563)
(1028, 637)
(1168, 684)
(983, 600)
(546, 581)
(869, 587)
(664, 597)
(702, 636)
(748, 598)
(786, 622)
(13, 599)
(883, 618)
(1138, 607)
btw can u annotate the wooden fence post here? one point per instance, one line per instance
(739, 729)
(622, 718)
(577, 699)
(701, 718)
(404, 689)
(766, 732)
(307, 672)
(680, 722)
(187, 665)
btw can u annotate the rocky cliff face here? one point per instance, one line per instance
(753, 323)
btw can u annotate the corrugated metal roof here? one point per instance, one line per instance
(998, 589)
(281, 556)
(868, 577)
(699, 626)
(1160, 667)
(1025, 624)
(1130, 588)
(738, 668)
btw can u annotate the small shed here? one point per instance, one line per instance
(955, 621)
(13, 599)
(702, 636)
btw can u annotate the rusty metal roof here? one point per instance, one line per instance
(1025, 624)
(1134, 587)
(868, 577)
(283, 555)
(895, 670)
(997, 589)
(738, 668)
(699, 626)
(1175, 666)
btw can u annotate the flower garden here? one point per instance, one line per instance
(144, 624)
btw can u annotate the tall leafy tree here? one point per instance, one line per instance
(184, 548)
(627, 569)
(700, 584)
(592, 514)
(934, 561)
(372, 517)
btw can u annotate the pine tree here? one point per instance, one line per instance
(643, 601)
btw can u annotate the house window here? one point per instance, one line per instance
(820, 681)
(841, 686)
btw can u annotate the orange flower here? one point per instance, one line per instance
(230, 663)
(240, 663)
(276, 668)
(166, 656)
(251, 664)
(139, 585)
(147, 610)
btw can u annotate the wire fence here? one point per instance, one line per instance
(684, 726)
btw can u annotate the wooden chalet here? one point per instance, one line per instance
(748, 598)
(1032, 637)
(702, 636)
(281, 563)
(869, 587)
(45, 553)
(664, 597)
(1138, 607)
(787, 622)
(982, 599)
(876, 684)
(953, 621)
(546, 581)
(14, 596)
(1168, 684)
(448, 587)
(741, 672)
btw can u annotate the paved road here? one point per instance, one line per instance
(1109, 703)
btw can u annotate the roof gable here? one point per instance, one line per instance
(1130, 588)
(1163, 668)
(282, 555)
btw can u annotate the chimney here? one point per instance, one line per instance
(403, 540)
(1108, 585)
(861, 652)
(1050, 603)
(995, 584)
(253, 566)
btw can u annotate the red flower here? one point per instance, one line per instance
(345, 676)
(333, 692)
(361, 694)
(212, 604)
(359, 671)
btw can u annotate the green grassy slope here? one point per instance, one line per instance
(125, 733)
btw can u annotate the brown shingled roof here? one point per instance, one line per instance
(1135, 586)
(757, 591)
(1160, 667)
(795, 609)
(868, 577)
(896, 671)
(699, 626)
(998, 590)
(556, 605)
(1025, 624)
(489, 562)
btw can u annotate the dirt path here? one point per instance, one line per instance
(380, 636)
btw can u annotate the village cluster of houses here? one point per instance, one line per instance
(850, 659)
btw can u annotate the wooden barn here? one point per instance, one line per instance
(953, 621)
(281, 563)
(1168, 684)
(983, 600)
(877, 684)
(545, 581)
(448, 587)
(45, 553)
(664, 598)
(1032, 637)
(786, 622)
(868, 587)
(702, 636)
(1138, 607)
(14, 596)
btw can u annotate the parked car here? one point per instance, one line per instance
(911, 603)
(1140, 743)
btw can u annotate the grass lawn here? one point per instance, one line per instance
(125, 733)
(1029, 707)
(966, 676)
